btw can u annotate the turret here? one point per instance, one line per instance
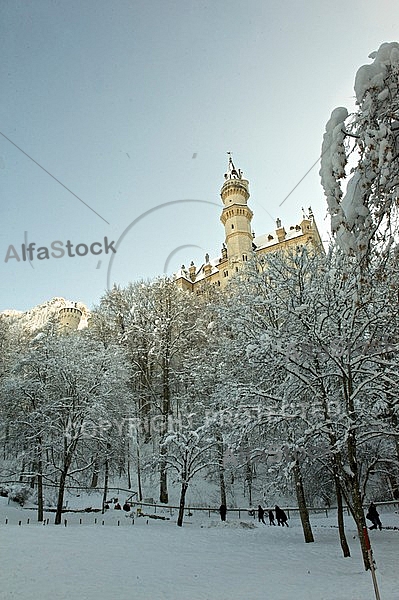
(192, 271)
(69, 318)
(236, 215)
(280, 231)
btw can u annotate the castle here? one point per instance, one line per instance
(69, 318)
(66, 315)
(240, 243)
(239, 246)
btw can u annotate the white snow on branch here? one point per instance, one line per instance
(372, 76)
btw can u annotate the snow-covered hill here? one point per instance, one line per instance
(34, 319)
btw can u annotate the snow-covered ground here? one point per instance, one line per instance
(206, 559)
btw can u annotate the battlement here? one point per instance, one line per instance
(69, 318)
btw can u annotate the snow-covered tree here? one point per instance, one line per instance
(360, 159)
(67, 392)
(360, 176)
(315, 361)
(188, 451)
(156, 324)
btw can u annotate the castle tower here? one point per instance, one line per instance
(236, 216)
(69, 318)
(240, 243)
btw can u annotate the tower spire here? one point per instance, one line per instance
(232, 172)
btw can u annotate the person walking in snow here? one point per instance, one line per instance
(271, 518)
(374, 517)
(261, 514)
(280, 516)
(223, 511)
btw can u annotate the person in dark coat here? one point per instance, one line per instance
(374, 517)
(223, 511)
(271, 518)
(280, 516)
(117, 506)
(126, 506)
(261, 514)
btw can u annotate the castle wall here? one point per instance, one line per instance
(69, 319)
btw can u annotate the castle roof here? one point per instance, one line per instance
(270, 239)
(200, 273)
(261, 242)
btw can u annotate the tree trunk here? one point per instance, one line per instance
(340, 515)
(35, 469)
(163, 480)
(94, 477)
(60, 500)
(129, 479)
(358, 515)
(357, 507)
(6, 440)
(221, 469)
(145, 413)
(40, 503)
(248, 478)
(393, 483)
(139, 489)
(105, 492)
(182, 503)
(21, 478)
(394, 478)
(303, 509)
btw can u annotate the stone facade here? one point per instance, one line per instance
(69, 318)
(240, 243)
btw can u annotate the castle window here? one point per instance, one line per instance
(244, 257)
(225, 273)
(232, 226)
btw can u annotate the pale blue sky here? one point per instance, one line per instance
(132, 104)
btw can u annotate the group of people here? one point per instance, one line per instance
(281, 517)
(126, 507)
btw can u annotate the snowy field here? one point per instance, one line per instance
(206, 559)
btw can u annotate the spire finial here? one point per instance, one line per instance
(232, 172)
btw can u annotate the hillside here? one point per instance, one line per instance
(34, 319)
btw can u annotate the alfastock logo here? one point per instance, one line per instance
(57, 249)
